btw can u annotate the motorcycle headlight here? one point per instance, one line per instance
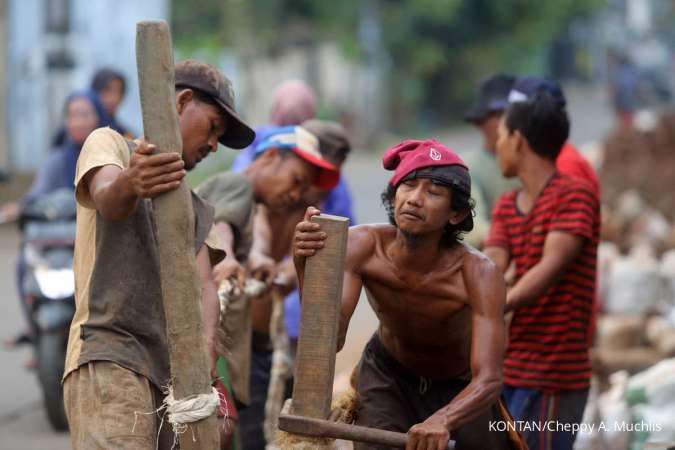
(56, 284)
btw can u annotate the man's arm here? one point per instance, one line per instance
(286, 274)
(260, 262)
(500, 256)
(229, 266)
(115, 191)
(486, 291)
(560, 250)
(210, 304)
(309, 238)
(497, 242)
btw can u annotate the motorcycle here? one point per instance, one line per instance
(48, 288)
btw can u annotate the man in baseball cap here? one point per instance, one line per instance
(492, 98)
(118, 333)
(287, 165)
(488, 183)
(305, 145)
(208, 81)
(569, 161)
(433, 367)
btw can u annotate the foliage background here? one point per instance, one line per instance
(434, 51)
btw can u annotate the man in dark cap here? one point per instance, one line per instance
(117, 362)
(433, 369)
(570, 161)
(487, 182)
(549, 230)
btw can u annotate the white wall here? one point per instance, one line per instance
(103, 33)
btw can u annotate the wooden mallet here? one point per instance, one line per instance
(308, 412)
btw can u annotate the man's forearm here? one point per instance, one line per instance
(560, 250)
(113, 197)
(530, 287)
(262, 234)
(225, 238)
(209, 301)
(210, 312)
(471, 402)
(210, 318)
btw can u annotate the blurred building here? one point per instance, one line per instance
(51, 47)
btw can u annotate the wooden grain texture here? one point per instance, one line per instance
(181, 291)
(317, 344)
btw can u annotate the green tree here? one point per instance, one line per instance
(438, 49)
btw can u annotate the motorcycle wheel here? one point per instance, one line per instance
(51, 355)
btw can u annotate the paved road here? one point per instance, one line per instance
(23, 425)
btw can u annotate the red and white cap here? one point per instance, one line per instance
(306, 146)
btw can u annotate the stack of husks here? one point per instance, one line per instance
(636, 322)
(634, 352)
(642, 158)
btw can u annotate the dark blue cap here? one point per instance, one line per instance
(525, 88)
(493, 95)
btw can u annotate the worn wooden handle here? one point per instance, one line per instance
(320, 317)
(174, 218)
(307, 426)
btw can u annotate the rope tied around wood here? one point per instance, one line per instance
(190, 409)
(181, 413)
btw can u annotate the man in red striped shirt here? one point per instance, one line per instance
(550, 229)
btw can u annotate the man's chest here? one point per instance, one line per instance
(433, 294)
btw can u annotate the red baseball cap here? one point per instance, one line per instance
(412, 154)
(306, 146)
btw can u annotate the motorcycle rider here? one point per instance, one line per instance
(83, 114)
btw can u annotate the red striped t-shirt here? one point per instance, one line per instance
(549, 338)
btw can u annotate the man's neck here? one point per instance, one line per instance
(534, 173)
(415, 252)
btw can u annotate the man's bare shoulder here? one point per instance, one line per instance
(364, 239)
(484, 283)
(476, 264)
(366, 234)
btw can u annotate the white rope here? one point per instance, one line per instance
(228, 289)
(180, 413)
(190, 409)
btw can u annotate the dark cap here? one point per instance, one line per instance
(210, 81)
(525, 88)
(332, 136)
(493, 95)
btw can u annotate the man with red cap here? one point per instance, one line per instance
(434, 367)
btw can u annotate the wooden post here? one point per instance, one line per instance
(181, 292)
(319, 321)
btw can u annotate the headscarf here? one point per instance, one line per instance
(58, 168)
(104, 119)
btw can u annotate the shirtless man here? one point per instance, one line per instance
(434, 367)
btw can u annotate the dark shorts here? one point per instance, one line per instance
(392, 398)
(536, 409)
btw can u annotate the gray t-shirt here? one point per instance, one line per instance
(119, 314)
(231, 195)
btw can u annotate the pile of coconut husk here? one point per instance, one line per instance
(636, 324)
(641, 159)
